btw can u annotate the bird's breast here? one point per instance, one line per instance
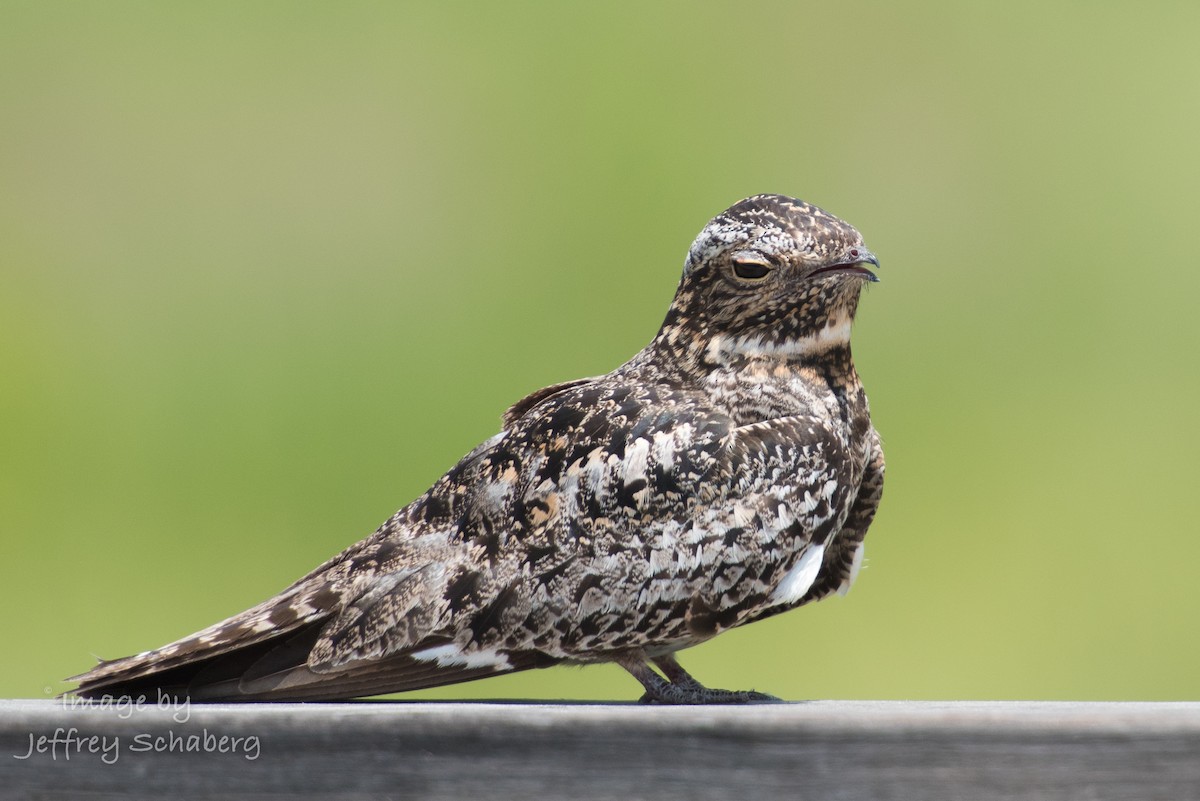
(756, 392)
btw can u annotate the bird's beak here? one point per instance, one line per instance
(853, 263)
(867, 257)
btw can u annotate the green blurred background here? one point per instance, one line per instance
(268, 269)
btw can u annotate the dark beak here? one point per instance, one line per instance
(856, 259)
(867, 257)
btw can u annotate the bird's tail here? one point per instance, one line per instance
(288, 621)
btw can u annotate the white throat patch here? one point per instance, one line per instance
(721, 349)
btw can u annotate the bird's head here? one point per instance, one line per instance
(771, 276)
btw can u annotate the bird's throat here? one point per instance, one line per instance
(724, 349)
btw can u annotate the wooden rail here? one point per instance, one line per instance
(486, 751)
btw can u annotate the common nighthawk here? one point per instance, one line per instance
(724, 474)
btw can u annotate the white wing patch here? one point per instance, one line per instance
(451, 655)
(800, 577)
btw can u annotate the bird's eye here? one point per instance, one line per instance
(751, 270)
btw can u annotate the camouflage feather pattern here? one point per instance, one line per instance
(726, 473)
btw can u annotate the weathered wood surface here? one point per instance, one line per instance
(819, 750)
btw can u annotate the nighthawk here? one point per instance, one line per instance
(724, 474)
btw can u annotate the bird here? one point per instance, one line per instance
(726, 473)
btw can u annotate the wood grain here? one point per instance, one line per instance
(821, 750)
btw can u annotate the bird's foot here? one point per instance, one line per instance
(676, 694)
(680, 688)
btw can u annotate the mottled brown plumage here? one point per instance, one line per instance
(728, 472)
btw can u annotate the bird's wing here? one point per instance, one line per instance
(801, 464)
(525, 404)
(356, 599)
(300, 606)
(761, 547)
(519, 531)
(843, 561)
(818, 501)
